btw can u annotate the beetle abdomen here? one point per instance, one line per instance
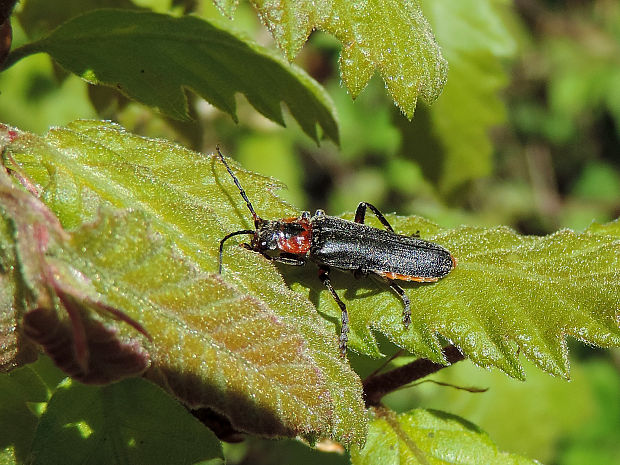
(353, 246)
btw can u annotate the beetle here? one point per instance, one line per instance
(333, 242)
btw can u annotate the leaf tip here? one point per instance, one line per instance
(226, 7)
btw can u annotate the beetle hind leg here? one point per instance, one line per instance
(344, 329)
(360, 215)
(406, 302)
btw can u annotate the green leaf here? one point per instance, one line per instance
(141, 223)
(38, 17)
(132, 421)
(428, 436)
(450, 140)
(611, 229)
(390, 36)
(154, 58)
(19, 390)
(509, 294)
(597, 439)
(599, 182)
(395, 38)
(24, 394)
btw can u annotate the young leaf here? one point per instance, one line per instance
(153, 58)
(142, 220)
(132, 421)
(508, 293)
(43, 286)
(428, 436)
(390, 36)
(15, 348)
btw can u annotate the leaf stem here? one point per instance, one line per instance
(17, 54)
(378, 385)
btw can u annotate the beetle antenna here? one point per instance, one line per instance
(236, 233)
(238, 184)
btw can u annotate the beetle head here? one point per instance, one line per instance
(265, 236)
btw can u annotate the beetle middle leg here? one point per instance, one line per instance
(344, 330)
(360, 215)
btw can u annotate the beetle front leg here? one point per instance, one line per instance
(287, 259)
(344, 329)
(407, 310)
(360, 215)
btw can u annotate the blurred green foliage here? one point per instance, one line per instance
(542, 152)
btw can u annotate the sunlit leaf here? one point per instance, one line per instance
(141, 222)
(392, 37)
(428, 437)
(154, 58)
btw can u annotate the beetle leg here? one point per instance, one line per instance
(287, 259)
(406, 302)
(360, 214)
(344, 329)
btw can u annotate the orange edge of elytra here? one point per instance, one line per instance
(404, 277)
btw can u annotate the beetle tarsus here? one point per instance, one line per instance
(344, 331)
